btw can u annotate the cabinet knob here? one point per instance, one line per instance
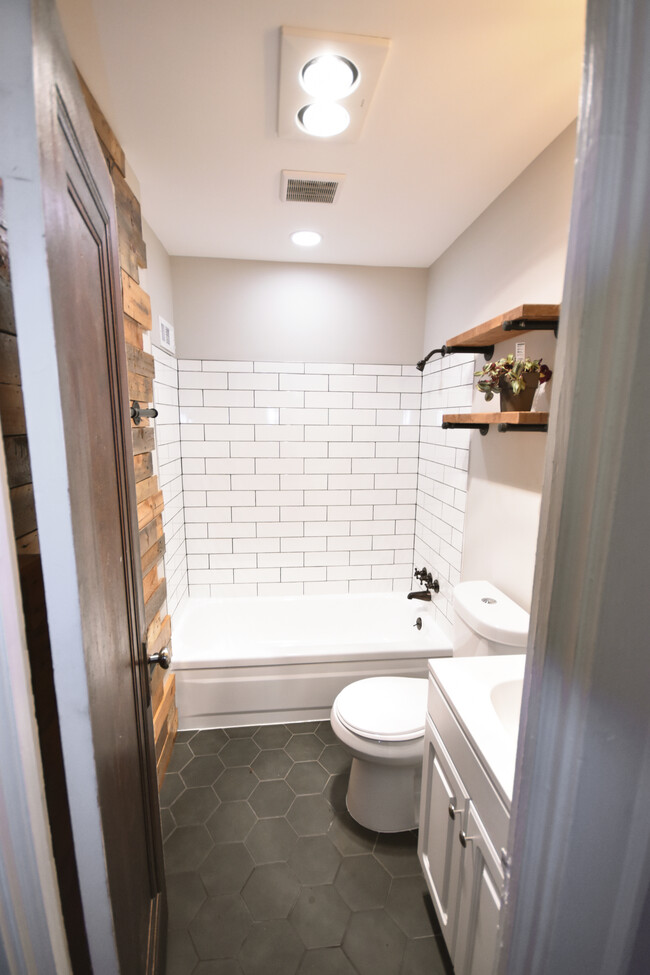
(464, 839)
(452, 811)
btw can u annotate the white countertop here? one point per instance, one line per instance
(484, 694)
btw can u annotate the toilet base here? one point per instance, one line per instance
(384, 798)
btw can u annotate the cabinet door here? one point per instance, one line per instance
(442, 816)
(480, 894)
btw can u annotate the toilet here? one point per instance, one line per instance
(380, 720)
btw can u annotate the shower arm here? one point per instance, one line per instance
(486, 350)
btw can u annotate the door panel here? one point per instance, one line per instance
(480, 902)
(87, 382)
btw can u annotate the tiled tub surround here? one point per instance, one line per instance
(447, 387)
(298, 478)
(168, 460)
(267, 874)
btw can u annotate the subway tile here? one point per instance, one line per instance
(241, 498)
(376, 401)
(206, 482)
(407, 465)
(349, 544)
(407, 496)
(303, 482)
(234, 589)
(273, 529)
(203, 449)
(256, 545)
(374, 497)
(305, 574)
(381, 542)
(189, 365)
(371, 558)
(190, 431)
(199, 592)
(327, 497)
(374, 527)
(303, 544)
(244, 380)
(326, 588)
(375, 465)
(280, 433)
(227, 397)
(280, 560)
(257, 575)
(280, 589)
(279, 367)
(260, 414)
(396, 481)
(348, 513)
(328, 465)
(279, 399)
(279, 465)
(412, 371)
(226, 365)
(202, 380)
(251, 448)
(303, 416)
(238, 560)
(385, 370)
(397, 450)
(329, 400)
(338, 572)
(255, 514)
(351, 481)
(353, 384)
(255, 482)
(456, 478)
(352, 449)
(312, 449)
(194, 499)
(387, 511)
(402, 418)
(327, 528)
(305, 383)
(228, 432)
(196, 531)
(208, 514)
(193, 465)
(401, 384)
(209, 576)
(410, 434)
(302, 513)
(191, 397)
(329, 368)
(198, 561)
(209, 546)
(279, 497)
(375, 434)
(230, 465)
(327, 558)
(371, 585)
(391, 571)
(327, 433)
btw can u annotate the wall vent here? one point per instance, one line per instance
(298, 187)
(167, 337)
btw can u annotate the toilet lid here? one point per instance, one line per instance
(384, 708)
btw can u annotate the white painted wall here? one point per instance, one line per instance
(515, 252)
(273, 311)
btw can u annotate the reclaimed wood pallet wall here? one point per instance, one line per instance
(140, 365)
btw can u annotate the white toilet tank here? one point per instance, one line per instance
(487, 621)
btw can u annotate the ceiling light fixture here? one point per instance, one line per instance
(330, 76)
(306, 238)
(324, 119)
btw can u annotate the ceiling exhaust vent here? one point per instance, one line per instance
(310, 187)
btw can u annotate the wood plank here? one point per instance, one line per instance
(490, 332)
(22, 509)
(156, 600)
(136, 302)
(157, 688)
(145, 488)
(154, 555)
(17, 455)
(133, 333)
(140, 388)
(28, 544)
(143, 466)
(162, 713)
(102, 128)
(163, 637)
(143, 439)
(139, 363)
(129, 220)
(128, 261)
(166, 754)
(7, 320)
(150, 534)
(12, 410)
(9, 365)
(149, 509)
(519, 418)
(149, 583)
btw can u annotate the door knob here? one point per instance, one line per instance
(163, 658)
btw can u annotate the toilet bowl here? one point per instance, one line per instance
(380, 721)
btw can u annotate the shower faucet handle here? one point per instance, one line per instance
(424, 576)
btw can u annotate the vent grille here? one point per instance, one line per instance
(310, 187)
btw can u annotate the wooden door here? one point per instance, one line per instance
(71, 345)
(443, 815)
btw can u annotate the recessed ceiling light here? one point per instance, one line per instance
(324, 118)
(306, 238)
(329, 76)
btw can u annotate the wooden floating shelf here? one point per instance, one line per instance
(519, 320)
(532, 422)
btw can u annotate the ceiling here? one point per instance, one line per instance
(471, 92)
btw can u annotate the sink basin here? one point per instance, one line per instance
(484, 694)
(506, 701)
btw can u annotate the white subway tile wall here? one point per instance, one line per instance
(298, 478)
(442, 476)
(169, 469)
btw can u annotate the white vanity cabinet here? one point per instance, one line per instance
(463, 827)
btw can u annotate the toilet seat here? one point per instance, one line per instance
(384, 708)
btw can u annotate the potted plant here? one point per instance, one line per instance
(515, 379)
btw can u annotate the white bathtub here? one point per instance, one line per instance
(266, 660)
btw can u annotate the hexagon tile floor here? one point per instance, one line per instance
(267, 874)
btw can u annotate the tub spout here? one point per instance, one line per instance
(423, 594)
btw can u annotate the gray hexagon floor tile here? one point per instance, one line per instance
(408, 907)
(362, 882)
(183, 737)
(302, 727)
(426, 956)
(208, 742)
(320, 916)
(271, 891)
(325, 961)
(398, 853)
(335, 758)
(271, 840)
(351, 838)
(186, 848)
(271, 948)
(194, 806)
(315, 860)
(310, 815)
(220, 927)
(243, 732)
(181, 954)
(218, 966)
(180, 756)
(336, 791)
(235, 783)
(374, 944)
(271, 764)
(303, 748)
(272, 736)
(185, 895)
(172, 788)
(325, 733)
(202, 770)
(239, 751)
(307, 778)
(226, 869)
(232, 821)
(271, 798)
(167, 822)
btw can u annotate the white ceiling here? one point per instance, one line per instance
(471, 92)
